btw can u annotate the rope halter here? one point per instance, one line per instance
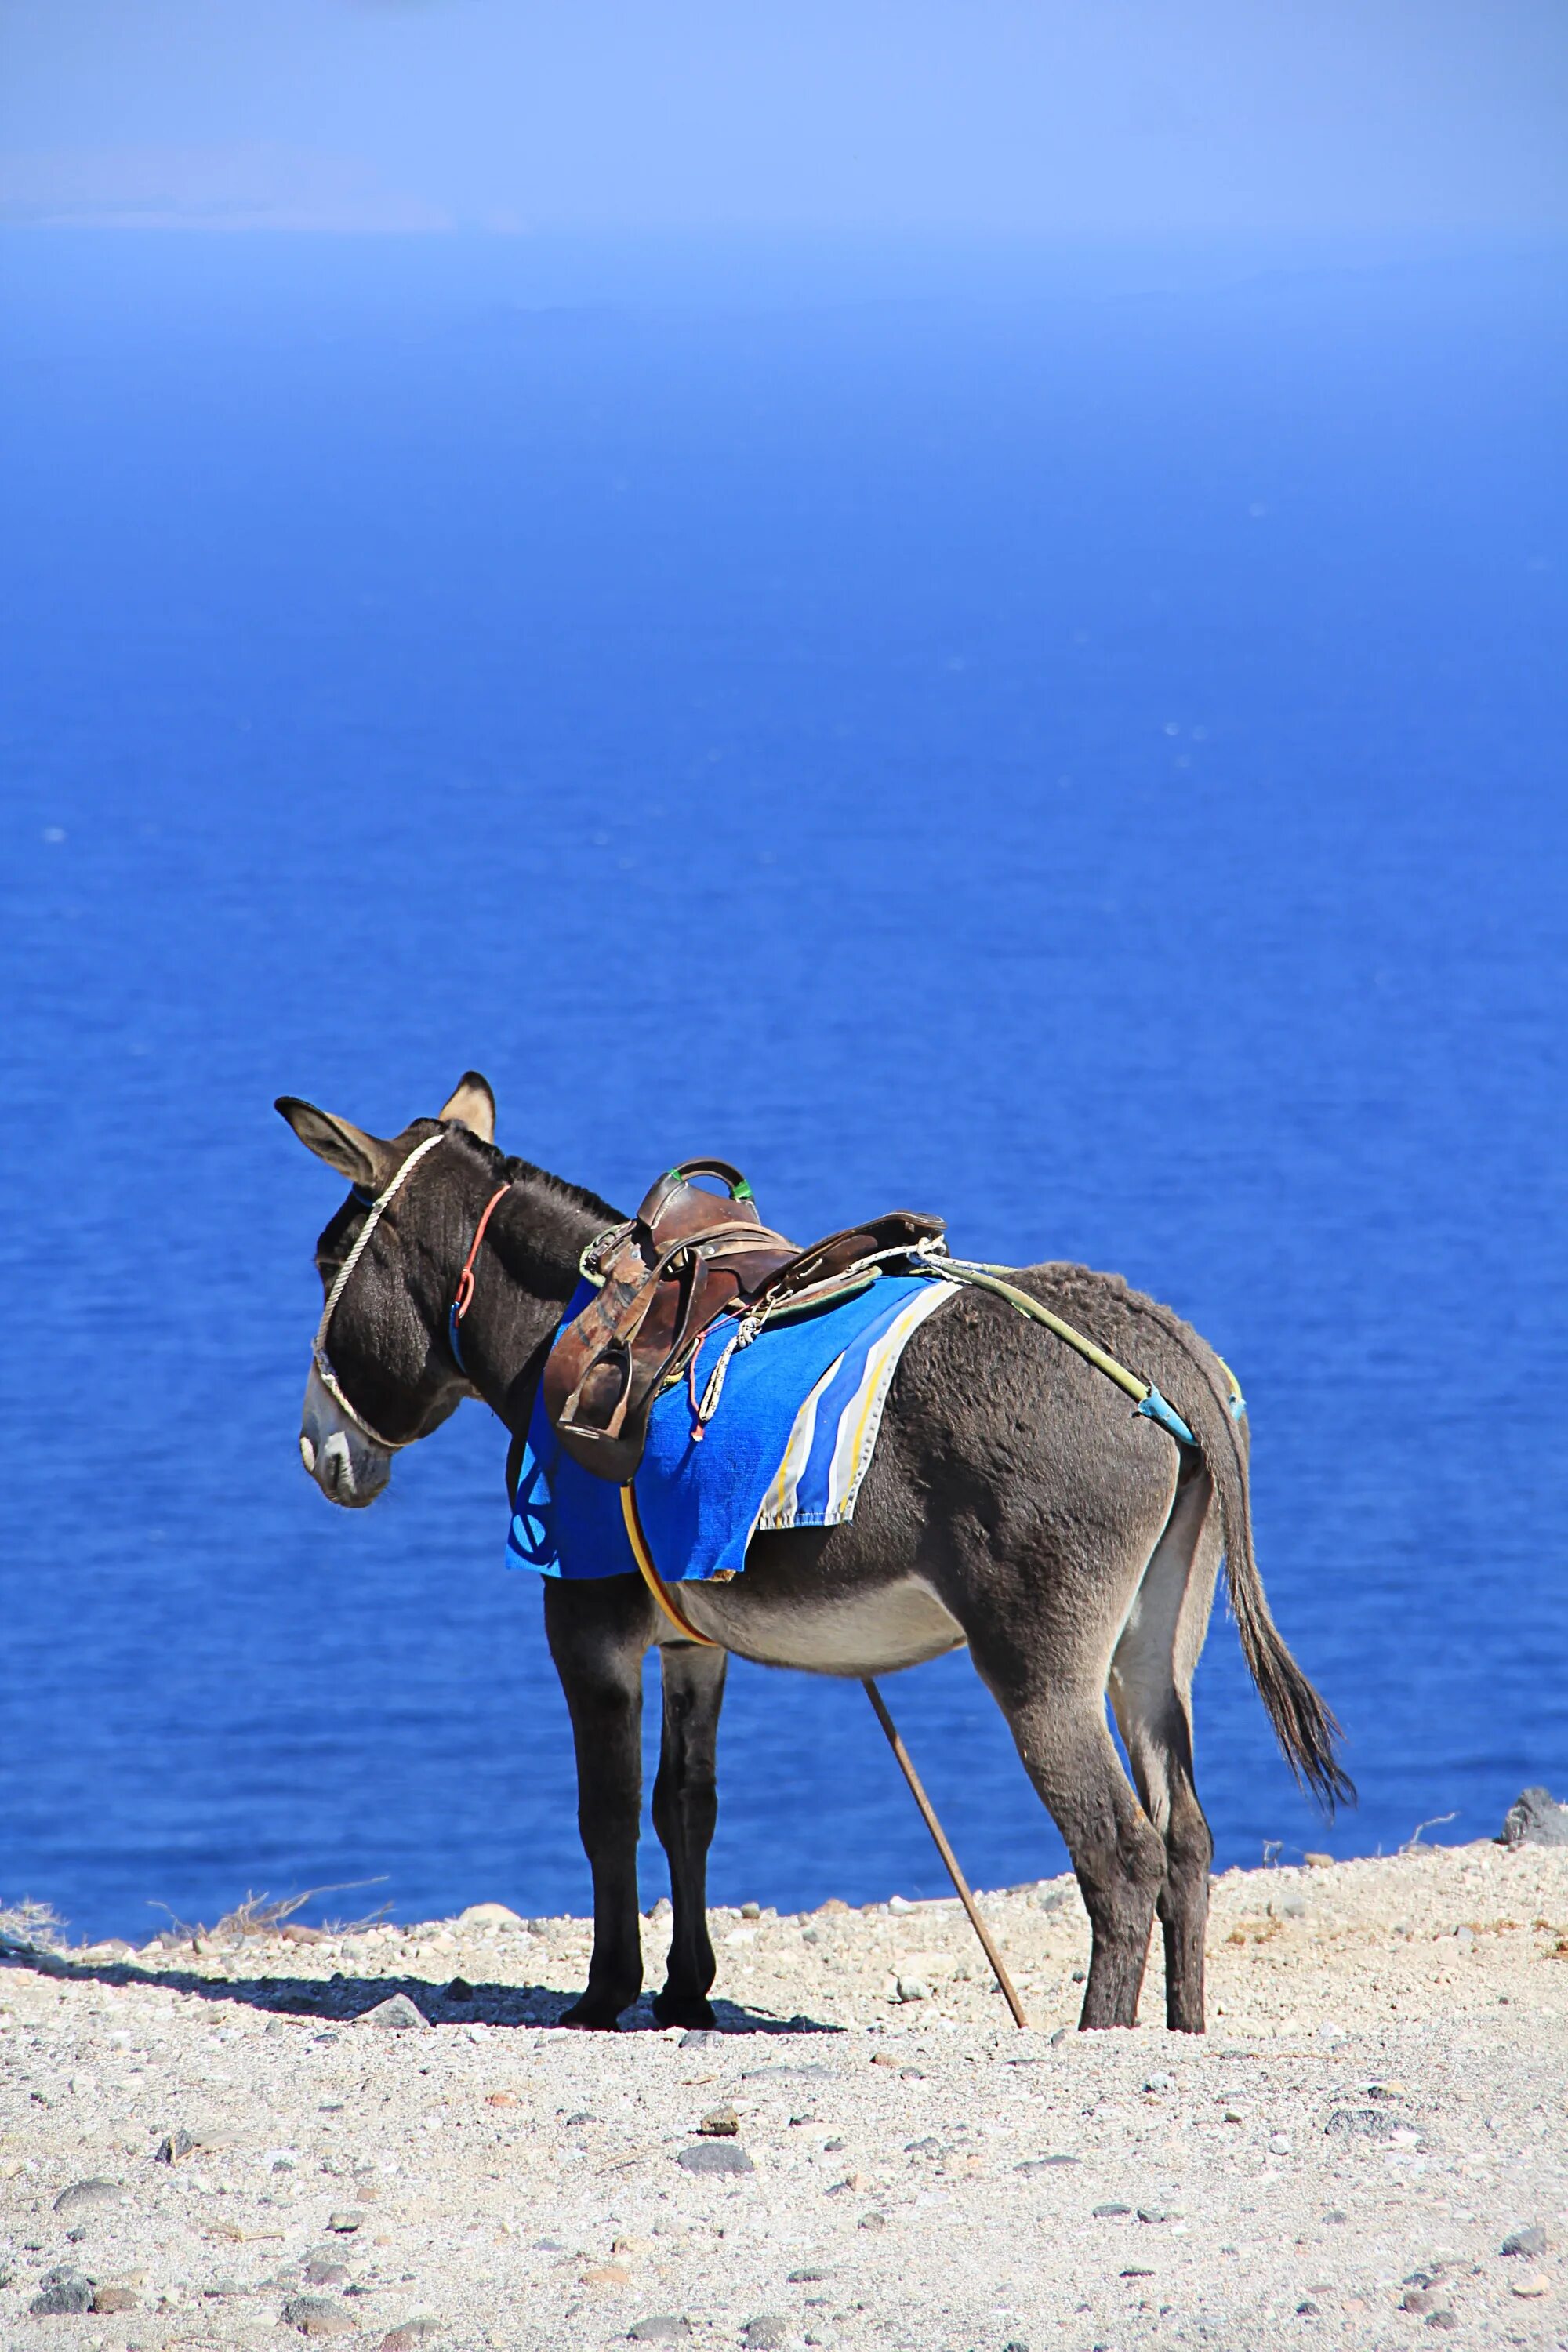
(324, 1372)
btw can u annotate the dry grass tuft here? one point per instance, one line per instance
(261, 1915)
(26, 1928)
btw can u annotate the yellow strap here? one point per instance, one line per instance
(985, 1278)
(652, 1579)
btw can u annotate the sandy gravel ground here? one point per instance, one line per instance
(1380, 2107)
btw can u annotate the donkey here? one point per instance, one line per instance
(1014, 1503)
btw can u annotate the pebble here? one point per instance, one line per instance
(1360, 2123)
(1532, 2287)
(663, 2328)
(396, 2015)
(1160, 2082)
(913, 1988)
(714, 2155)
(88, 2197)
(1157, 2213)
(175, 2145)
(324, 2270)
(317, 2314)
(459, 1990)
(407, 2336)
(64, 2296)
(489, 1914)
(1530, 2242)
(1110, 2212)
(345, 2222)
(1278, 2145)
(720, 2123)
(767, 2331)
(606, 2275)
(113, 2298)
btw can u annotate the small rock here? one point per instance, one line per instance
(1110, 2212)
(767, 2331)
(834, 1903)
(663, 2328)
(317, 2314)
(1308, 2310)
(1078, 1977)
(701, 2037)
(1157, 2213)
(720, 2123)
(1160, 2082)
(501, 2099)
(345, 2222)
(1417, 2298)
(407, 2336)
(488, 1915)
(1530, 2242)
(66, 2296)
(1319, 1861)
(883, 2058)
(1535, 1818)
(175, 2145)
(459, 1990)
(1360, 2123)
(751, 1910)
(1442, 2318)
(84, 2196)
(397, 2015)
(324, 2270)
(873, 2220)
(1278, 2145)
(714, 2155)
(1531, 2286)
(1043, 2163)
(911, 1988)
(108, 2299)
(608, 2274)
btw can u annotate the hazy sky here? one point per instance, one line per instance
(1101, 116)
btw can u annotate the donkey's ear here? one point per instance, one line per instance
(473, 1103)
(362, 1157)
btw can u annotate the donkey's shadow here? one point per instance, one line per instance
(344, 1999)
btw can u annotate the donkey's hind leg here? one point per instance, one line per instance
(1150, 1683)
(1058, 1722)
(685, 1808)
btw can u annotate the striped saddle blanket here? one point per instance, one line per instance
(788, 1445)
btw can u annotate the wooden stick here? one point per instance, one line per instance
(929, 1816)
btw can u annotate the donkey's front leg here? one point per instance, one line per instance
(598, 1634)
(684, 1807)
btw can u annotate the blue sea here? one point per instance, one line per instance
(1070, 741)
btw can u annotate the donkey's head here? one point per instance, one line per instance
(383, 1372)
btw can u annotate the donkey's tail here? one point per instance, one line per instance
(1304, 1724)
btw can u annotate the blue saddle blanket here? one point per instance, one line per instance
(788, 1446)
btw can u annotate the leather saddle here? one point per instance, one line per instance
(686, 1257)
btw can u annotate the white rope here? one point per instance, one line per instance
(329, 1378)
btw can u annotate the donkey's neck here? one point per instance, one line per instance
(526, 1269)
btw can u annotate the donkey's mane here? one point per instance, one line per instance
(555, 1190)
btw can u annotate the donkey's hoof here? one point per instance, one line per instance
(688, 2008)
(594, 2014)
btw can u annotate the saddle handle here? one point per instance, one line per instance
(675, 1179)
